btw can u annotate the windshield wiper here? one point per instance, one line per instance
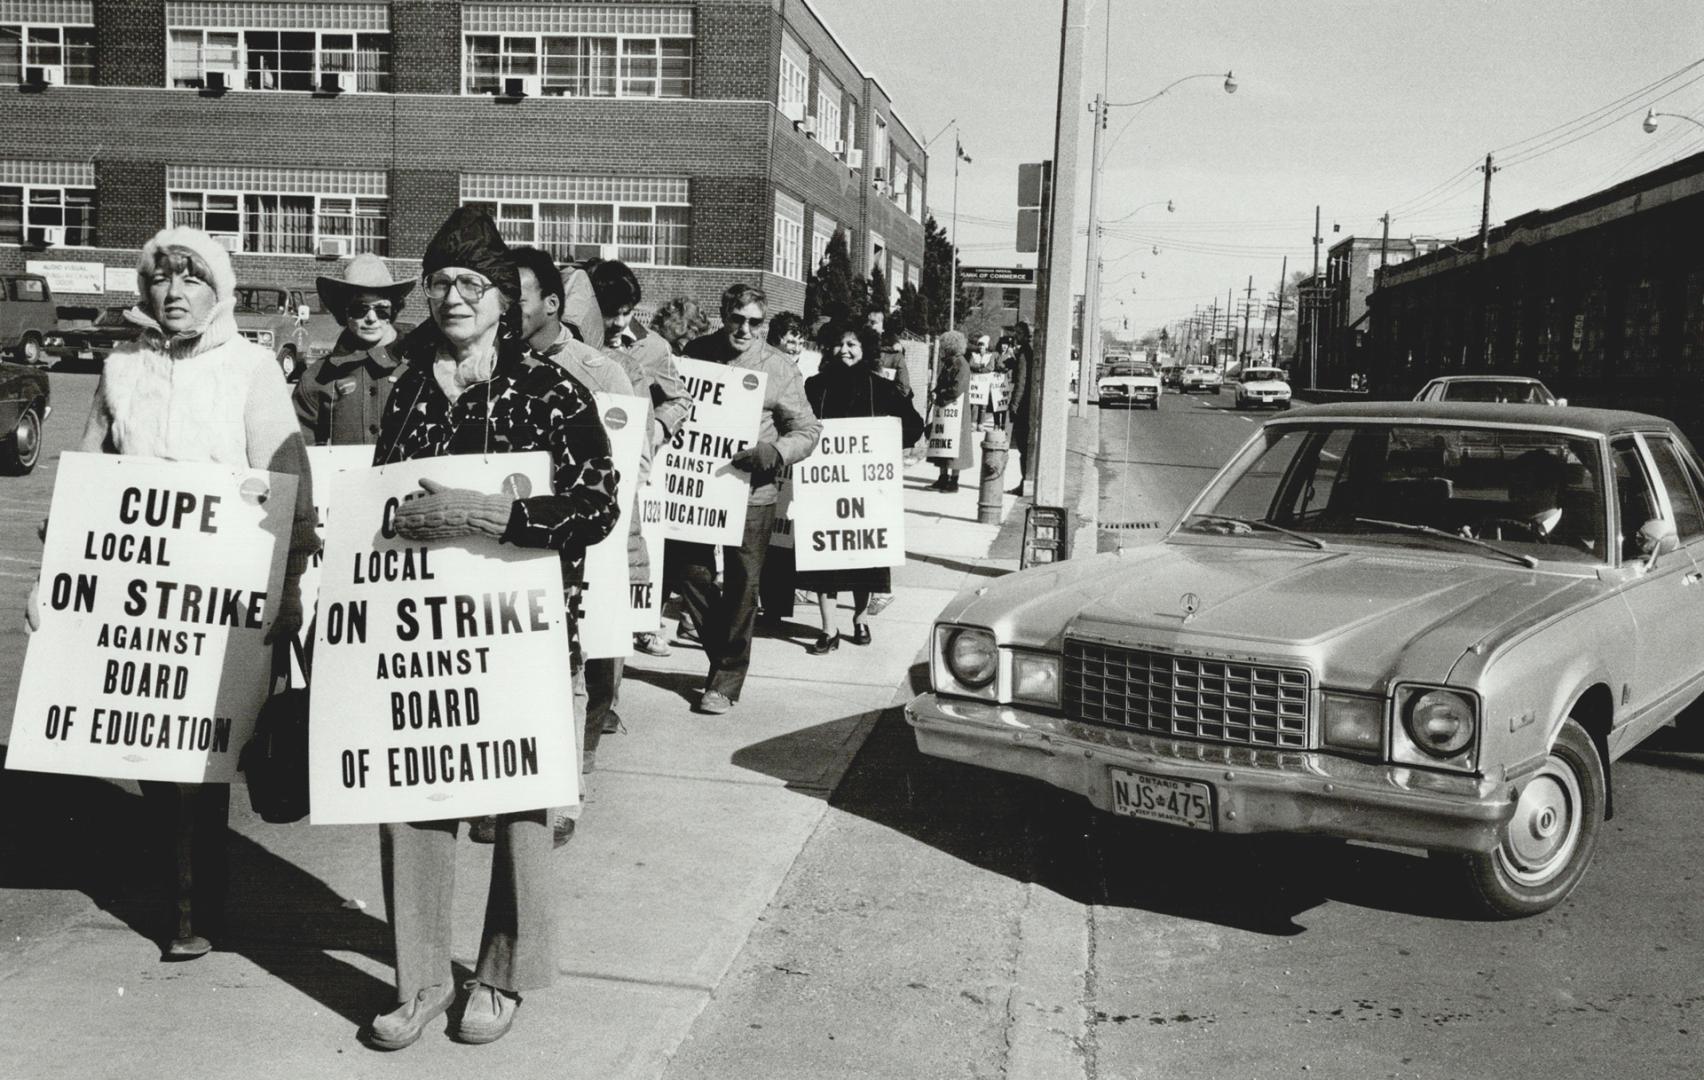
(1267, 525)
(1426, 530)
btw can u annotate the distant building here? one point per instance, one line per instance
(1339, 312)
(702, 142)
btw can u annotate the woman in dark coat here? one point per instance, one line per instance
(850, 384)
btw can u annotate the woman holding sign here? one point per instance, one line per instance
(191, 388)
(952, 426)
(471, 388)
(850, 384)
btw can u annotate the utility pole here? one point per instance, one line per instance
(1384, 249)
(1228, 325)
(1088, 358)
(1248, 308)
(952, 267)
(1278, 332)
(1485, 211)
(1056, 370)
(1313, 311)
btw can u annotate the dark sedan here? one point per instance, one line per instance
(85, 345)
(25, 402)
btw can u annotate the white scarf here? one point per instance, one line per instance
(455, 377)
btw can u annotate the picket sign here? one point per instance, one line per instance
(1000, 393)
(781, 532)
(848, 504)
(646, 599)
(981, 385)
(159, 581)
(703, 497)
(324, 462)
(945, 426)
(441, 683)
(605, 602)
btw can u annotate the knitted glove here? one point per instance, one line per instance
(762, 460)
(444, 513)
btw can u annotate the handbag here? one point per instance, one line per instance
(275, 759)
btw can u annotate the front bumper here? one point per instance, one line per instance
(1254, 790)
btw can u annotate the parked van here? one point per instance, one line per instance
(291, 322)
(27, 317)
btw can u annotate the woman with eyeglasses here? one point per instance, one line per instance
(342, 395)
(472, 388)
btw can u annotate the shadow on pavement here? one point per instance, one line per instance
(959, 566)
(1029, 831)
(73, 832)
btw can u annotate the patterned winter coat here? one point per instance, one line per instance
(527, 405)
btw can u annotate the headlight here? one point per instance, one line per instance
(1035, 678)
(972, 657)
(263, 337)
(1440, 722)
(1353, 723)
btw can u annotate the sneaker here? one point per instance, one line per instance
(489, 1014)
(714, 702)
(879, 603)
(650, 644)
(561, 830)
(403, 1025)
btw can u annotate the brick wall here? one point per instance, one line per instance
(731, 220)
(738, 50)
(130, 42)
(420, 201)
(130, 202)
(426, 37)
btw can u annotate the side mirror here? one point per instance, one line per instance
(302, 313)
(1561, 402)
(1657, 537)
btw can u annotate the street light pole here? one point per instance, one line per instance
(952, 267)
(1088, 356)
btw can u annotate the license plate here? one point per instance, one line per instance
(1160, 798)
(85, 354)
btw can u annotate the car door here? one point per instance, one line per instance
(1667, 603)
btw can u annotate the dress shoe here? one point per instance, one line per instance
(483, 830)
(488, 1015)
(824, 645)
(650, 644)
(611, 722)
(861, 634)
(688, 632)
(402, 1025)
(187, 947)
(714, 702)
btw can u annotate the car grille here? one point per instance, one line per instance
(1160, 693)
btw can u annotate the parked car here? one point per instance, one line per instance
(25, 402)
(1261, 386)
(291, 322)
(1430, 625)
(1514, 389)
(28, 318)
(84, 344)
(1129, 384)
(1196, 377)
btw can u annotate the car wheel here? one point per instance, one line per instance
(1546, 846)
(20, 452)
(29, 349)
(287, 362)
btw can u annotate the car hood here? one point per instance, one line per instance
(1357, 617)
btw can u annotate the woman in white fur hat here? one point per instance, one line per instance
(193, 389)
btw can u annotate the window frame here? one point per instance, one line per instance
(616, 221)
(618, 76)
(241, 196)
(381, 77)
(26, 203)
(63, 47)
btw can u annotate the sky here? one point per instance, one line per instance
(1359, 107)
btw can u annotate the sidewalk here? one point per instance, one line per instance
(691, 824)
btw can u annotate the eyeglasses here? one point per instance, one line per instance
(754, 321)
(472, 287)
(359, 311)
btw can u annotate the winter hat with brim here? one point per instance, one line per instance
(366, 273)
(469, 239)
(205, 249)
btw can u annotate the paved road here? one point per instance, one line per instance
(948, 921)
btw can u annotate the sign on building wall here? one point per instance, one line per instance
(74, 277)
(158, 583)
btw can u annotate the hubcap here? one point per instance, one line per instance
(1545, 830)
(28, 438)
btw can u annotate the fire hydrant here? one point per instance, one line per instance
(989, 499)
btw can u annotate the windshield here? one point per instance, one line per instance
(1534, 493)
(1125, 370)
(1518, 393)
(259, 301)
(1263, 374)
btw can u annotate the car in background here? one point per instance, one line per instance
(1172, 376)
(1129, 384)
(1508, 389)
(291, 322)
(28, 318)
(84, 344)
(1200, 377)
(1258, 387)
(25, 402)
(1424, 624)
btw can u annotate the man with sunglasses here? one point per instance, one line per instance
(787, 434)
(342, 395)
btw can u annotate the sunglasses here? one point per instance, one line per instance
(471, 287)
(754, 322)
(359, 311)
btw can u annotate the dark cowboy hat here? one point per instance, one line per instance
(366, 273)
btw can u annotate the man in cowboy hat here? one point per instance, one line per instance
(342, 395)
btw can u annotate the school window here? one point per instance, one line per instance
(878, 159)
(283, 211)
(292, 46)
(795, 78)
(642, 222)
(822, 231)
(41, 214)
(827, 112)
(54, 50)
(789, 252)
(580, 50)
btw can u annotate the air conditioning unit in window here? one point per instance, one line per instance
(47, 235)
(854, 159)
(794, 111)
(520, 86)
(840, 148)
(810, 126)
(44, 76)
(336, 82)
(335, 247)
(228, 241)
(877, 175)
(218, 80)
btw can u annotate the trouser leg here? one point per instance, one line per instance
(195, 820)
(742, 569)
(417, 861)
(689, 571)
(518, 951)
(602, 678)
(777, 588)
